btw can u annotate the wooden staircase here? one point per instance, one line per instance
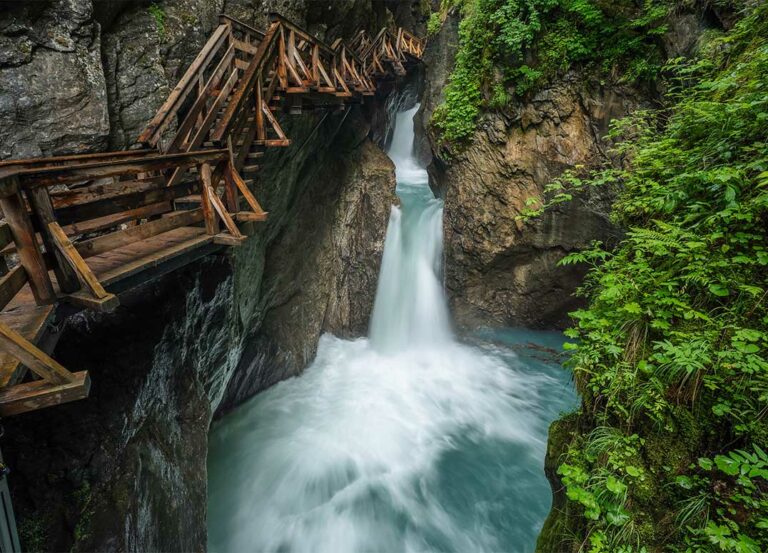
(81, 229)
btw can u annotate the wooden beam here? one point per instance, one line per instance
(229, 239)
(89, 171)
(39, 394)
(42, 208)
(34, 359)
(211, 224)
(250, 199)
(76, 261)
(128, 202)
(30, 256)
(85, 300)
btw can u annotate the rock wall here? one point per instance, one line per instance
(125, 469)
(499, 270)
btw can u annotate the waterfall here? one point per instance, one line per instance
(408, 441)
(410, 309)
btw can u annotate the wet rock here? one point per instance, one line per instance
(499, 270)
(52, 89)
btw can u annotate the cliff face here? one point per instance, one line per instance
(499, 270)
(125, 469)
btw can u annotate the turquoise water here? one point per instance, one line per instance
(410, 440)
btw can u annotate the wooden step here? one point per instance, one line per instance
(255, 155)
(119, 264)
(250, 168)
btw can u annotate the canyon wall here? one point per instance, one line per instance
(499, 269)
(126, 468)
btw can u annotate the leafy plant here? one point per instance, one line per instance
(671, 354)
(158, 14)
(512, 47)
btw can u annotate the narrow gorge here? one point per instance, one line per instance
(384, 275)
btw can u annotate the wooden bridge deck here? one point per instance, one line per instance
(81, 229)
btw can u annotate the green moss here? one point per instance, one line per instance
(32, 534)
(434, 24)
(158, 14)
(82, 498)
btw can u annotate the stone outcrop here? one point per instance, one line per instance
(500, 270)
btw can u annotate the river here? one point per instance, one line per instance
(408, 440)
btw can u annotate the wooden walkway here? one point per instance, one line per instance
(79, 230)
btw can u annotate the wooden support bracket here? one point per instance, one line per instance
(78, 264)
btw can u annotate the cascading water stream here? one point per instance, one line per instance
(407, 441)
(410, 309)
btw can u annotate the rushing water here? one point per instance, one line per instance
(407, 441)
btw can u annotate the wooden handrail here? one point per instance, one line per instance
(15, 166)
(263, 53)
(224, 18)
(48, 176)
(170, 108)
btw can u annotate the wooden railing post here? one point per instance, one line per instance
(26, 245)
(211, 223)
(42, 209)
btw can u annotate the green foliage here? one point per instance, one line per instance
(158, 14)
(434, 23)
(511, 47)
(677, 324)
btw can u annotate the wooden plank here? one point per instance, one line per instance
(85, 194)
(76, 261)
(30, 256)
(42, 208)
(11, 283)
(240, 26)
(149, 254)
(63, 175)
(109, 221)
(245, 47)
(120, 204)
(39, 394)
(271, 118)
(101, 244)
(34, 359)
